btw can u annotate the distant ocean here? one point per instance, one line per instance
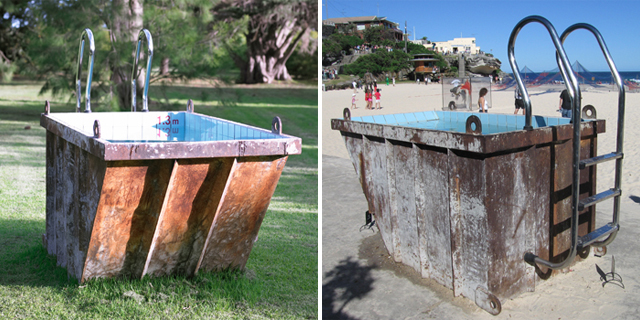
(583, 77)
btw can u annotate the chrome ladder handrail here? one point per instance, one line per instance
(92, 48)
(610, 230)
(574, 92)
(145, 105)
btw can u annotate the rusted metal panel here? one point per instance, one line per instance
(469, 238)
(404, 164)
(131, 199)
(192, 200)
(484, 144)
(375, 170)
(540, 207)
(510, 197)
(432, 213)
(240, 213)
(51, 214)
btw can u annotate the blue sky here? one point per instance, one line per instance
(491, 23)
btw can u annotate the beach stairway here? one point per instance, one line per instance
(603, 235)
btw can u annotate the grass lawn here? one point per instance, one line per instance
(281, 276)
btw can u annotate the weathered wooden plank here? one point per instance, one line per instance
(240, 213)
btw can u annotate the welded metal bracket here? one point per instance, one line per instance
(487, 301)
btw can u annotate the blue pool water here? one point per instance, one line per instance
(456, 121)
(147, 127)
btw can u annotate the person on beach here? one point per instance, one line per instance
(355, 89)
(482, 102)
(519, 100)
(565, 104)
(394, 81)
(387, 80)
(353, 101)
(367, 98)
(377, 95)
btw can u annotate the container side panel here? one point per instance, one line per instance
(392, 202)
(469, 230)
(354, 143)
(70, 200)
(241, 211)
(91, 172)
(405, 175)
(541, 177)
(130, 203)
(561, 195)
(60, 205)
(432, 209)
(508, 193)
(375, 172)
(192, 199)
(52, 214)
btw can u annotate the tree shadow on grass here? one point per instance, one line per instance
(349, 280)
(24, 259)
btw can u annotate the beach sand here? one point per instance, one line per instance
(576, 293)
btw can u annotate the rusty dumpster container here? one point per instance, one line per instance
(463, 208)
(157, 193)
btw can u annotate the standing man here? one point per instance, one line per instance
(565, 104)
(519, 102)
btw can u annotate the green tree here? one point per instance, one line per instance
(379, 62)
(12, 33)
(272, 33)
(180, 30)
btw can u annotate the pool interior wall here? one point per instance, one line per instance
(161, 126)
(456, 121)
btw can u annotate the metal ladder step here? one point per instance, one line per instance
(599, 159)
(587, 202)
(597, 234)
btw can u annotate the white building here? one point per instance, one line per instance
(466, 45)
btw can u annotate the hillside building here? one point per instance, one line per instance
(363, 23)
(457, 45)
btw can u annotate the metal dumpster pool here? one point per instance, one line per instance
(463, 208)
(157, 193)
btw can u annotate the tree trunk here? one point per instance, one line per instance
(127, 23)
(268, 51)
(164, 66)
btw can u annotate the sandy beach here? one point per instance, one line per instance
(576, 293)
